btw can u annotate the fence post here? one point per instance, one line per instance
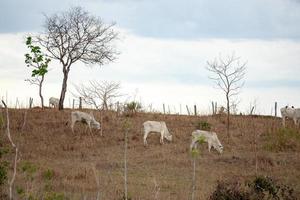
(180, 109)
(213, 107)
(275, 109)
(30, 102)
(195, 110)
(80, 103)
(164, 109)
(73, 104)
(187, 108)
(216, 107)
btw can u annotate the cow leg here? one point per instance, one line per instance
(72, 126)
(283, 121)
(145, 138)
(162, 137)
(295, 121)
(209, 146)
(194, 144)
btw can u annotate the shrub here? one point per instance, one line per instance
(3, 174)
(229, 191)
(132, 108)
(260, 188)
(203, 125)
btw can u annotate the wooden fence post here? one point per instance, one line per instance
(187, 108)
(195, 110)
(80, 103)
(216, 107)
(164, 109)
(30, 102)
(180, 109)
(213, 108)
(275, 109)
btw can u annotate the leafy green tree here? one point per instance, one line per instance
(39, 63)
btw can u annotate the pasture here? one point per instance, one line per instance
(53, 160)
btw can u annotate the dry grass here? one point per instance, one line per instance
(158, 171)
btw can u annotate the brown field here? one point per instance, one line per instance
(80, 165)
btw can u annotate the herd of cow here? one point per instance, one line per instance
(160, 127)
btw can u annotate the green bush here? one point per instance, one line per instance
(203, 125)
(132, 108)
(3, 174)
(261, 188)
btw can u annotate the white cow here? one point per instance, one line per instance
(292, 113)
(156, 127)
(77, 116)
(54, 102)
(210, 137)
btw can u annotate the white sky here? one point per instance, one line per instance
(163, 56)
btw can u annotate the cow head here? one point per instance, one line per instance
(169, 137)
(217, 144)
(95, 124)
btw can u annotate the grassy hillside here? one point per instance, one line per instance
(55, 162)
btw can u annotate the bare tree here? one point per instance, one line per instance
(228, 75)
(99, 94)
(75, 35)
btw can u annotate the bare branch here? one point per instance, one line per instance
(228, 74)
(99, 94)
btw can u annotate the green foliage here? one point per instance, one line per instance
(54, 196)
(131, 108)
(36, 59)
(261, 188)
(201, 139)
(203, 125)
(20, 191)
(282, 140)
(3, 174)
(48, 174)
(29, 169)
(196, 152)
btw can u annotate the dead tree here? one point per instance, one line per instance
(75, 35)
(99, 94)
(228, 75)
(15, 147)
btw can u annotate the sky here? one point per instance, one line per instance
(164, 48)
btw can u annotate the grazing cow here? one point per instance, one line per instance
(156, 127)
(54, 102)
(292, 113)
(210, 137)
(77, 116)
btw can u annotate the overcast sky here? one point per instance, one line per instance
(165, 46)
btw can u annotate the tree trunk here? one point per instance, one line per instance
(63, 89)
(40, 91)
(228, 114)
